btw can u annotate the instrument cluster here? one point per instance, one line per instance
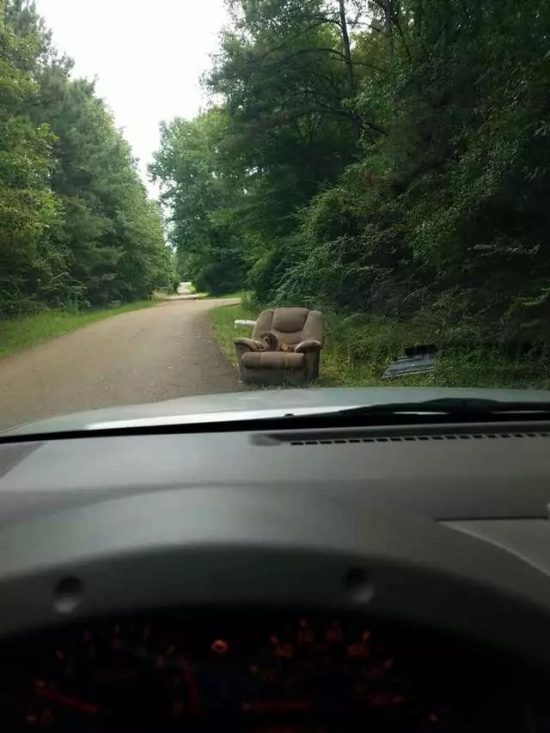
(251, 672)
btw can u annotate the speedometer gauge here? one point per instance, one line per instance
(126, 674)
(335, 671)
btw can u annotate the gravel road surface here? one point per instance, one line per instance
(146, 355)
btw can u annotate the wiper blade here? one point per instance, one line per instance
(454, 408)
(446, 410)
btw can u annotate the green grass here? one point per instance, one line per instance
(24, 331)
(358, 349)
(224, 331)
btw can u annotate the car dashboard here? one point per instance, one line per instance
(346, 580)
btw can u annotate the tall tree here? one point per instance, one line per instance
(102, 240)
(206, 201)
(285, 82)
(32, 268)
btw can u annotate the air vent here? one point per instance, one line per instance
(355, 438)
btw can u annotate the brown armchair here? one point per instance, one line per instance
(301, 329)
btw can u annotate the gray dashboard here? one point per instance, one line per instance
(440, 526)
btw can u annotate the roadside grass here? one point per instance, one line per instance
(357, 350)
(24, 331)
(221, 319)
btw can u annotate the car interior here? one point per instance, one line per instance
(277, 578)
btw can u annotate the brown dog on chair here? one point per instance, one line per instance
(271, 342)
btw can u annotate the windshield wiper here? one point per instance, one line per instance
(424, 412)
(454, 408)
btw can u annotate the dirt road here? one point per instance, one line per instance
(144, 356)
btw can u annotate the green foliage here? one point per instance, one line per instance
(358, 349)
(289, 126)
(235, 177)
(223, 326)
(75, 222)
(22, 332)
(204, 200)
(379, 157)
(405, 174)
(29, 210)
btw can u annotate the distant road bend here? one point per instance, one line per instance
(148, 355)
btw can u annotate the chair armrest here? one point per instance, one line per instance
(251, 344)
(307, 345)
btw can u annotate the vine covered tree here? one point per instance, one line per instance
(387, 156)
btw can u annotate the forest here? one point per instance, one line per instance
(76, 227)
(381, 157)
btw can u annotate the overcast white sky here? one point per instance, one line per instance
(147, 56)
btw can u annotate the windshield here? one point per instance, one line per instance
(215, 197)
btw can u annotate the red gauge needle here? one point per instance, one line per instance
(69, 702)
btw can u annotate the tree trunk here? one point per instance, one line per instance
(389, 23)
(346, 48)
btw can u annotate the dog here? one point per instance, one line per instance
(272, 343)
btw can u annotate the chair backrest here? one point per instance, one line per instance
(290, 325)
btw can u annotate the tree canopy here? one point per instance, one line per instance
(76, 226)
(384, 156)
